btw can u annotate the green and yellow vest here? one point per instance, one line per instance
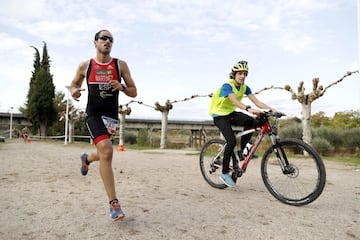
(222, 105)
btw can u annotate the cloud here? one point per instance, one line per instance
(294, 42)
(13, 44)
(196, 19)
(187, 44)
(24, 10)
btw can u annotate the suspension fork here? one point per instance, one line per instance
(281, 156)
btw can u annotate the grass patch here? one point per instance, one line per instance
(136, 147)
(348, 160)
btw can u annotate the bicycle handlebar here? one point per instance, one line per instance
(272, 114)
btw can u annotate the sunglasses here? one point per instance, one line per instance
(104, 38)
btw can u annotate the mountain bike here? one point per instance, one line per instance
(292, 171)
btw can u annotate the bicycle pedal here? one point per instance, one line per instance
(234, 176)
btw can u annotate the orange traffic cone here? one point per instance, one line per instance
(121, 145)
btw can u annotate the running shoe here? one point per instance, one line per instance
(227, 179)
(84, 164)
(116, 213)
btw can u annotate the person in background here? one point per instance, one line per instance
(25, 133)
(222, 108)
(103, 76)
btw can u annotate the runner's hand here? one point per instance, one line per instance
(76, 93)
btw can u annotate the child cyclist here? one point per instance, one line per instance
(222, 108)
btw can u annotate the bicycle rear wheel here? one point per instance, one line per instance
(303, 178)
(210, 161)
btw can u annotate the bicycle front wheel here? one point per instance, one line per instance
(211, 157)
(301, 179)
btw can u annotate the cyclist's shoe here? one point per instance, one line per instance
(116, 213)
(227, 179)
(218, 162)
(241, 156)
(84, 164)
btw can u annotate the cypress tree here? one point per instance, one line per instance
(40, 109)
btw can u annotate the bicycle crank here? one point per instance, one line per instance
(236, 174)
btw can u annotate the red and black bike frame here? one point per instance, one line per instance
(265, 128)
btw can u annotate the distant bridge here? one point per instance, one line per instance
(198, 128)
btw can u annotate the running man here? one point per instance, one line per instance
(103, 77)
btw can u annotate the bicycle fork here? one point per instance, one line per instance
(281, 156)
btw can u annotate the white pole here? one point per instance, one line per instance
(67, 114)
(11, 120)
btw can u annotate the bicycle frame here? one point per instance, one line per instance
(263, 130)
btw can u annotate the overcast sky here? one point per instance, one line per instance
(176, 49)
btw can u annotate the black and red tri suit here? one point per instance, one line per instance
(102, 101)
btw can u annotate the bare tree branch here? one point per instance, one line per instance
(192, 97)
(342, 78)
(317, 91)
(139, 102)
(268, 88)
(168, 103)
(164, 108)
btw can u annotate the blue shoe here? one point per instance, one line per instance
(116, 213)
(227, 179)
(84, 164)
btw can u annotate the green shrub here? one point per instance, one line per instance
(130, 138)
(155, 142)
(333, 136)
(351, 138)
(293, 130)
(143, 137)
(322, 146)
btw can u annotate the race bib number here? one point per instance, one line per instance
(111, 124)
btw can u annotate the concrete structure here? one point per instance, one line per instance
(197, 128)
(18, 122)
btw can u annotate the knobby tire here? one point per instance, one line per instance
(306, 178)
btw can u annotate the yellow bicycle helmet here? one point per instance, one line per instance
(240, 66)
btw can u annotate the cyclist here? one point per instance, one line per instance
(222, 108)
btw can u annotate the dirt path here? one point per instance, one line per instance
(43, 196)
